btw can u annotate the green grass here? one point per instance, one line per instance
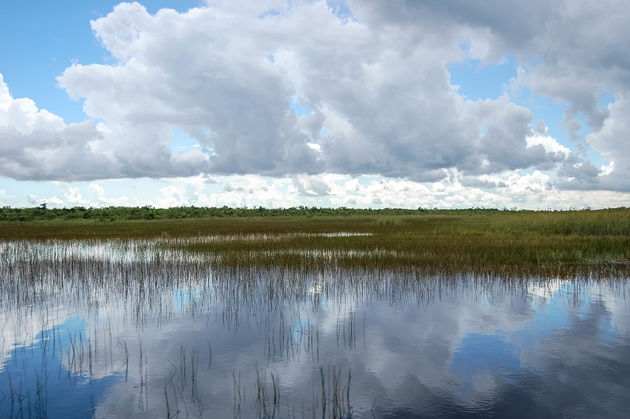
(507, 243)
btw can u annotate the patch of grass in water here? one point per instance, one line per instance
(503, 243)
(547, 244)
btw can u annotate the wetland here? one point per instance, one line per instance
(419, 314)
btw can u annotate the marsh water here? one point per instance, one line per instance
(131, 329)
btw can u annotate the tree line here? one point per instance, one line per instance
(42, 212)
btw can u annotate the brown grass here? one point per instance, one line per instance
(498, 243)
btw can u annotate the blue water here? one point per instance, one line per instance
(105, 338)
(36, 382)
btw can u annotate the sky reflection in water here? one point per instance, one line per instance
(124, 336)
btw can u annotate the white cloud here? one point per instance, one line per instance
(377, 84)
(383, 97)
(96, 189)
(550, 144)
(519, 189)
(613, 140)
(569, 51)
(74, 197)
(38, 145)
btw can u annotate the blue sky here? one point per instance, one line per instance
(41, 38)
(451, 108)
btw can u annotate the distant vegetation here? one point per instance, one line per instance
(42, 213)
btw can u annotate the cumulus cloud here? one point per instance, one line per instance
(578, 44)
(384, 98)
(371, 76)
(38, 145)
(576, 48)
(548, 143)
(195, 71)
(532, 189)
(311, 186)
(613, 141)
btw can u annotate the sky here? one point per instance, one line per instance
(356, 103)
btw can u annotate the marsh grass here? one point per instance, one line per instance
(500, 243)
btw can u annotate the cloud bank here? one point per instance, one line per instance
(370, 80)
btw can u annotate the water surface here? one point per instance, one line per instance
(128, 329)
